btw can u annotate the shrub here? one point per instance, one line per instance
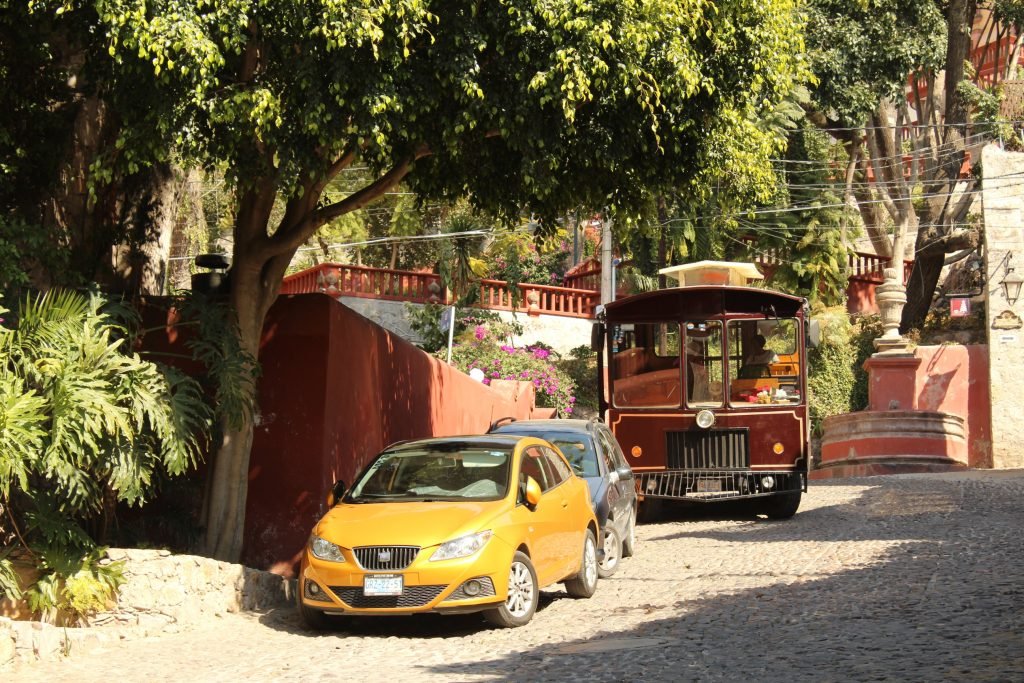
(86, 423)
(581, 367)
(831, 378)
(486, 351)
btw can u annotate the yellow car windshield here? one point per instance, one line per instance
(416, 475)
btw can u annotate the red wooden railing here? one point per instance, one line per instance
(587, 277)
(336, 279)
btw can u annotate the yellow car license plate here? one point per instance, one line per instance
(382, 584)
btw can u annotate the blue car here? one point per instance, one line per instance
(591, 449)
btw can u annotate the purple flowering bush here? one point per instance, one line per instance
(536, 364)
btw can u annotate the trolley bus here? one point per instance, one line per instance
(705, 388)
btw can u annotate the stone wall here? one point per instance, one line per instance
(1004, 248)
(161, 592)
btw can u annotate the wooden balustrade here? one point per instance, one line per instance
(399, 285)
(368, 283)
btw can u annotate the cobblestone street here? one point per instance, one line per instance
(909, 578)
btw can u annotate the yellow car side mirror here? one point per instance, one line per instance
(532, 491)
(336, 493)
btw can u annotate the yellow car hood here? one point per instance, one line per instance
(421, 524)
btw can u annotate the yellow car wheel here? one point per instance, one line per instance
(312, 618)
(521, 603)
(584, 583)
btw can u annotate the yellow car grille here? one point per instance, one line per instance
(385, 557)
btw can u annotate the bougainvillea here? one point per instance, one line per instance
(535, 364)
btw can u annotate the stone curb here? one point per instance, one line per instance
(162, 592)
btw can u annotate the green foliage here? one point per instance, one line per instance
(485, 351)
(831, 368)
(84, 422)
(581, 368)
(231, 372)
(809, 234)
(866, 330)
(516, 258)
(73, 583)
(861, 52)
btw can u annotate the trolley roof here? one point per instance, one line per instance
(682, 303)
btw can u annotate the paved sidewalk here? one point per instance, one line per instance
(908, 578)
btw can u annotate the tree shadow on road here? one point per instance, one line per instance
(933, 595)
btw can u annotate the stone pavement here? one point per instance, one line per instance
(903, 578)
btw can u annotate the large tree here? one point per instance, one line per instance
(549, 104)
(906, 146)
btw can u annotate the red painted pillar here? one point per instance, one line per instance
(892, 381)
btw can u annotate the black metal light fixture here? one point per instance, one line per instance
(1011, 282)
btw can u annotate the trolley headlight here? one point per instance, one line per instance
(705, 419)
(778, 448)
(636, 451)
(768, 482)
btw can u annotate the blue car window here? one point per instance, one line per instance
(580, 454)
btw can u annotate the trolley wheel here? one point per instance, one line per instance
(784, 505)
(650, 510)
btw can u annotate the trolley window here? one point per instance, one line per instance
(704, 364)
(764, 362)
(645, 365)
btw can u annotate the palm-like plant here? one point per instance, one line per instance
(84, 423)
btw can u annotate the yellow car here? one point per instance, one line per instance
(456, 524)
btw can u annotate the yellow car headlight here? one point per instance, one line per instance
(464, 546)
(325, 550)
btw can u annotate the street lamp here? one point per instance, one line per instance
(617, 261)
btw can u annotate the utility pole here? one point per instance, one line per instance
(607, 268)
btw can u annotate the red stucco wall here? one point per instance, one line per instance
(949, 379)
(954, 379)
(337, 388)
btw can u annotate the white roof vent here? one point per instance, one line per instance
(713, 273)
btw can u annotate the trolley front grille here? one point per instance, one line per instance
(708, 449)
(413, 596)
(385, 557)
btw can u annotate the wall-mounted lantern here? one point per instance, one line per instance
(1011, 282)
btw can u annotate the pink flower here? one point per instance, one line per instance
(568, 410)
(572, 399)
(480, 332)
(495, 375)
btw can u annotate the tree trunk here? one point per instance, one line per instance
(941, 213)
(253, 290)
(150, 214)
(924, 277)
